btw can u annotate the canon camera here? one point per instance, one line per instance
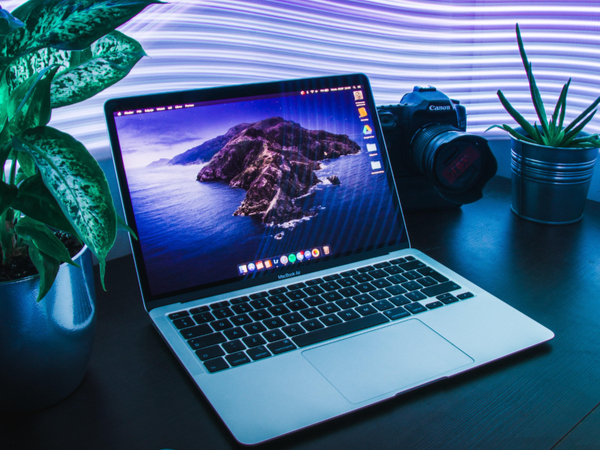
(436, 164)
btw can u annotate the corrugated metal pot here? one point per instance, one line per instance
(45, 346)
(550, 184)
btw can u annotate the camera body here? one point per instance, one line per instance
(436, 164)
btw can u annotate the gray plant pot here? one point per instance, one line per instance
(45, 347)
(550, 184)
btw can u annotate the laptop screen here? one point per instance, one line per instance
(252, 183)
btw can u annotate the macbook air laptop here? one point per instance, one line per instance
(274, 260)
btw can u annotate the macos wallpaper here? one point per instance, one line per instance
(218, 189)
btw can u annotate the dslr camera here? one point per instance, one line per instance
(436, 164)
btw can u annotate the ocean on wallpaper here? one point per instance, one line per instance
(190, 236)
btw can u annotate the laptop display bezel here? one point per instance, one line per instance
(233, 92)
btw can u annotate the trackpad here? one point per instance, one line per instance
(386, 360)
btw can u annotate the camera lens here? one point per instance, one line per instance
(458, 164)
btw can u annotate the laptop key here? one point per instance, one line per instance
(465, 295)
(297, 305)
(261, 314)
(330, 286)
(241, 308)
(260, 303)
(438, 289)
(341, 329)
(209, 352)
(363, 299)
(223, 313)
(415, 308)
(349, 292)
(273, 323)
(254, 340)
(313, 290)
(348, 314)
(381, 283)
(434, 305)
(204, 317)
(378, 273)
(330, 319)
(415, 296)
(198, 330)
(365, 287)
(382, 305)
(237, 359)
(400, 300)
(292, 318)
(411, 265)
(214, 365)
(253, 328)
(278, 299)
(178, 315)
(332, 296)
(346, 303)
(259, 352)
(365, 310)
(347, 282)
(242, 319)
(296, 295)
(329, 308)
(312, 324)
(184, 322)
(220, 325)
(281, 346)
(233, 346)
(311, 313)
(428, 271)
(235, 333)
(273, 335)
(206, 341)
(380, 294)
(315, 300)
(293, 330)
(397, 313)
(363, 278)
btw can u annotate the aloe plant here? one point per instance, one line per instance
(54, 53)
(549, 132)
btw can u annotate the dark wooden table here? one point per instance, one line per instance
(136, 396)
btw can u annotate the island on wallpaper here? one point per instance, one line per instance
(273, 160)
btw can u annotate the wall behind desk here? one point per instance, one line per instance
(466, 48)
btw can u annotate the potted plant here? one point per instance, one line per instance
(53, 53)
(551, 164)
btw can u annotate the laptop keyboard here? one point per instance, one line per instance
(230, 333)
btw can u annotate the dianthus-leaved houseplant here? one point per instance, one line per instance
(551, 162)
(53, 53)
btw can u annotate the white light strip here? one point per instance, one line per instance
(466, 48)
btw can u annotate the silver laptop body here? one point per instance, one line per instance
(273, 256)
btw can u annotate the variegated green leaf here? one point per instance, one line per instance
(36, 201)
(31, 63)
(8, 23)
(77, 182)
(46, 265)
(112, 58)
(29, 104)
(122, 225)
(42, 238)
(67, 24)
(8, 195)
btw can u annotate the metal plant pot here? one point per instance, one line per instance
(550, 184)
(45, 347)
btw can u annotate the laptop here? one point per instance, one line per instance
(274, 260)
